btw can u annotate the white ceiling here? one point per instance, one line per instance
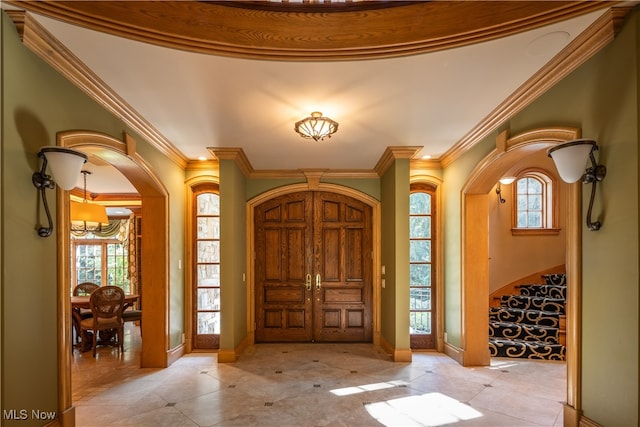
(198, 101)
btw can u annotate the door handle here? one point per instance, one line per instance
(307, 282)
(318, 282)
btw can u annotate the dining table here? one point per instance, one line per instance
(81, 302)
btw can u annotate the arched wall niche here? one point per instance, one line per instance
(509, 152)
(155, 324)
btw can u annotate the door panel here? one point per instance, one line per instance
(342, 242)
(313, 268)
(283, 254)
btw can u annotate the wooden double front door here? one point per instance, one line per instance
(313, 269)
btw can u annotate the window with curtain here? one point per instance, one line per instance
(102, 256)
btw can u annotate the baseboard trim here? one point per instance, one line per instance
(455, 353)
(398, 355)
(570, 416)
(230, 356)
(175, 354)
(586, 422)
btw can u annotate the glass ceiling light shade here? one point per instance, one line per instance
(570, 159)
(87, 216)
(506, 180)
(316, 127)
(65, 166)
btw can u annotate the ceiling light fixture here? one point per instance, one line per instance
(570, 159)
(87, 216)
(316, 127)
(65, 165)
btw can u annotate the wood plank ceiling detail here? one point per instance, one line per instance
(273, 31)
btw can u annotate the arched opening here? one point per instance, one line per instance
(475, 255)
(154, 261)
(375, 223)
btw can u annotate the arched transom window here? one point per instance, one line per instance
(534, 196)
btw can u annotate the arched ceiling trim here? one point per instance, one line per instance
(311, 31)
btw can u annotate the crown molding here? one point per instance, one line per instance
(311, 31)
(583, 47)
(35, 37)
(393, 153)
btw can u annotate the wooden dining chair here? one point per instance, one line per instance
(84, 288)
(133, 315)
(107, 303)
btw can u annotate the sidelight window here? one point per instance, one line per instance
(421, 259)
(207, 266)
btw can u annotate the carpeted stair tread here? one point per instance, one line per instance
(527, 302)
(521, 331)
(529, 317)
(527, 325)
(501, 347)
(547, 291)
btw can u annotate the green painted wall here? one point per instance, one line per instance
(394, 305)
(37, 102)
(255, 187)
(455, 177)
(233, 253)
(369, 186)
(600, 97)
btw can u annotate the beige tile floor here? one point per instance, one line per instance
(315, 385)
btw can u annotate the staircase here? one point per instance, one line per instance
(530, 325)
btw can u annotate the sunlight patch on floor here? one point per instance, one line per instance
(346, 391)
(431, 409)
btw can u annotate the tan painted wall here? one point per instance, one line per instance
(512, 257)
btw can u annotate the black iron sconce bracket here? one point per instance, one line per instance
(42, 181)
(593, 175)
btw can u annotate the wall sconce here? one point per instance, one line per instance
(65, 166)
(570, 158)
(506, 180)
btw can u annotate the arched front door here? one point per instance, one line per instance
(313, 268)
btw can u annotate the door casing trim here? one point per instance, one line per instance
(314, 186)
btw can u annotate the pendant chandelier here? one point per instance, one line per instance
(87, 216)
(316, 127)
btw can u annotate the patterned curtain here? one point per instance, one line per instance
(133, 254)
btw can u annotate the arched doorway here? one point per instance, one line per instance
(123, 157)
(329, 188)
(474, 334)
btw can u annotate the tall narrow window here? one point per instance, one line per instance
(421, 258)
(207, 267)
